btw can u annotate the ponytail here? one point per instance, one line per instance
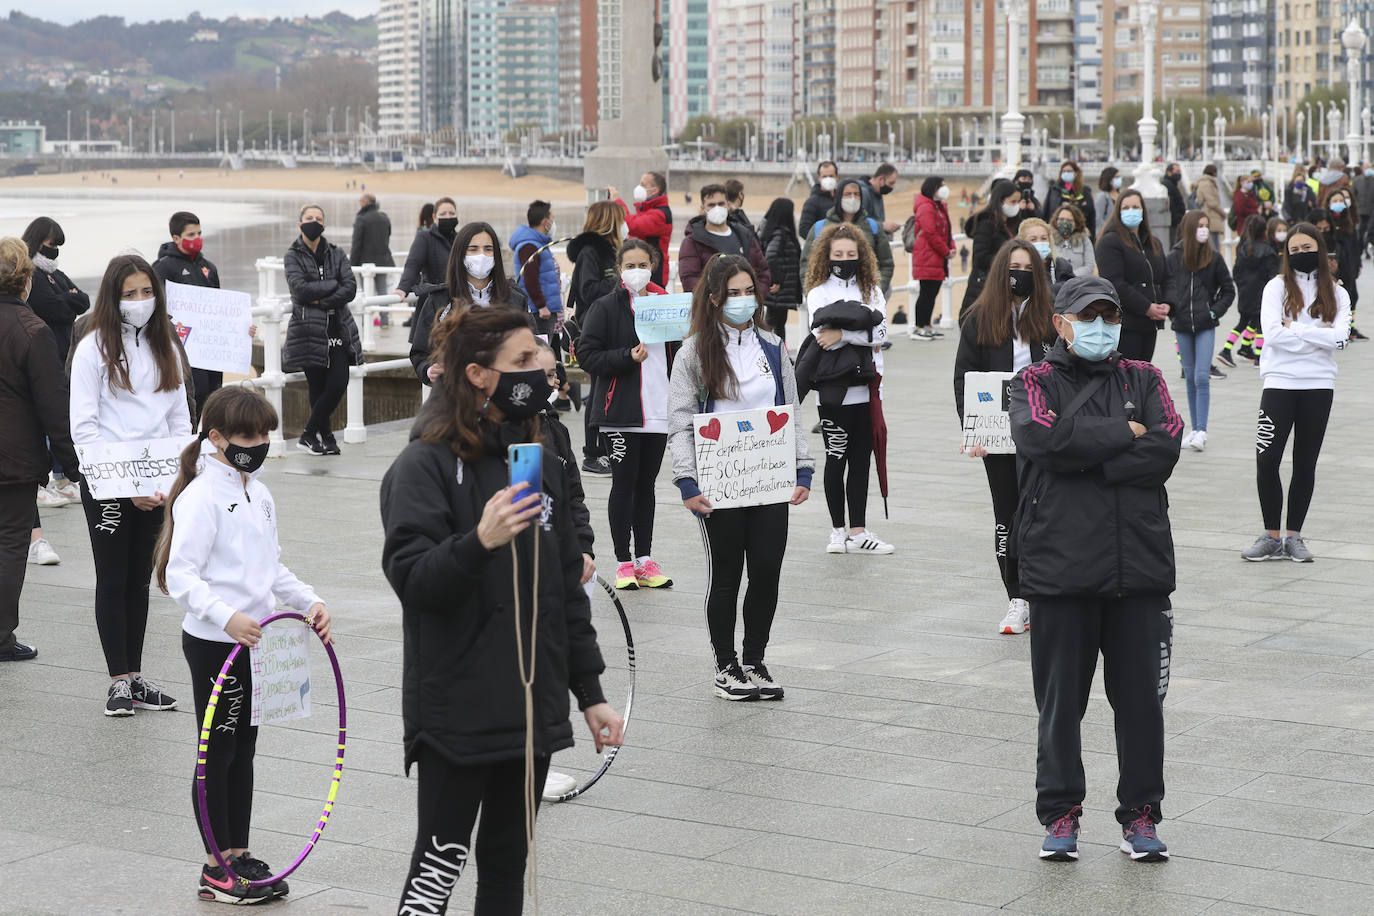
(190, 458)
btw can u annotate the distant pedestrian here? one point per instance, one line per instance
(1257, 262)
(822, 197)
(182, 260)
(595, 274)
(990, 226)
(931, 250)
(1071, 190)
(778, 234)
(1072, 241)
(1173, 181)
(1058, 271)
(372, 245)
(1027, 204)
(652, 219)
(1201, 293)
(711, 233)
(426, 215)
(1343, 241)
(536, 270)
(848, 210)
(1104, 201)
(882, 183)
(1207, 190)
(1298, 198)
(734, 202)
(1131, 258)
(429, 250)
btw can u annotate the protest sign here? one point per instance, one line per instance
(281, 674)
(661, 319)
(746, 457)
(986, 421)
(213, 326)
(122, 470)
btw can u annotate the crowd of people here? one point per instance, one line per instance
(1068, 295)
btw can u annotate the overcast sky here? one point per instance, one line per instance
(69, 11)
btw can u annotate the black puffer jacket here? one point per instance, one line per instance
(782, 250)
(603, 350)
(321, 288)
(461, 690)
(989, 234)
(1199, 299)
(56, 300)
(1140, 277)
(427, 261)
(1256, 264)
(1093, 519)
(435, 308)
(594, 274)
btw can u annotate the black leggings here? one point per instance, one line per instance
(593, 443)
(1303, 413)
(847, 433)
(122, 542)
(925, 302)
(1006, 491)
(328, 385)
(449, 799)
(207, 383)
(756, 535)
(635, 460)
(233, 742)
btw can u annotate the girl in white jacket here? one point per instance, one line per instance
(218, 558)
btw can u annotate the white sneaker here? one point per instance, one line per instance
(42, 554)
(1017, 619)
(557, 785)
(1198, 441)
(65, 487)
(1188, 440)
(51, 499)
(837, 538)
(867, 542)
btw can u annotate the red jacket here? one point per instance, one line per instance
(652, 221)
(1243, 204)
(929, 257)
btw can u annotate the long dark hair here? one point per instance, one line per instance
(995, 302)
(470, 336)
(1104, 181)
(1255, 228)
(1137, 238)
(992, 207)
(237, 410)
(717, 375)
(781, 217)
(456, 275)
(1324, 302)
(1196, 255)
(40, 230)
(427, 216)
(157, 333)
(931, 185)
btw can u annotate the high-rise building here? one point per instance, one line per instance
(818, 58)
(1308, 51)
(755, 57)
(443, 86)
(398, 67)
(528, 52)
(1240, 51)
(690, 27)
(1180, 51)
(1087, 65)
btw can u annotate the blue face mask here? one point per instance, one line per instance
(1132, 218)
(1066, 177)
(1116, 182)
(739, 309)
(1044, 249)
(1095, 340)
(1369, 173)
(1338, 206)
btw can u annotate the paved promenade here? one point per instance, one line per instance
(898, 775)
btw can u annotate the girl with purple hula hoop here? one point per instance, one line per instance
(217, 557)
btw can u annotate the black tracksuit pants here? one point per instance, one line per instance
(233, 742)
(635, 462)
(328, 385)
(1135, 638)
(753, 535)
(122, 542)
(449, 799)
(16, 506)
(1303, 413)
(1135, 344)
(847, 433)
(925, 302)
(1006, 492)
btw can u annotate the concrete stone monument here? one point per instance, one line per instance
(629, 100)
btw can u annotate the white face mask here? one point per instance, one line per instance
(828, 183)
(641, 195)
(1010, 210)
(636, 278)
(1280, 236)
(553, 230)
(717, 215)
(137, 312)
(479, 266)
(943, 193)
(850, 204)
(624, 232)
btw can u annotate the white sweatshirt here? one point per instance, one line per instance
(836, 290)
(1302, 355)
(224, 555)
(757, 387)
(101, 415)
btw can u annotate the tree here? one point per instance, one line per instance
(702, 126)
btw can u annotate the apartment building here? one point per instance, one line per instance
(755, 60)
(1241, 50)
(398, 67)
(1308, 54)
(688, 85)
(528, 52)
(1180, 50)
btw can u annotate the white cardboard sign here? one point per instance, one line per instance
(746, 457)
(122, 470)
(213, 326)
(986, 418)
(281, 674)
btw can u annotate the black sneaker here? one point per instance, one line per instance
(310, 443)
(1248, 352)
(19, 653)
(1214, 372)
(258, 870)
(758, 675)
(732, 684)
(120, 700)
(1224, 357)
(147, 695)
(1355, 334)
(329, 444)
(601, 466)
(217, 886)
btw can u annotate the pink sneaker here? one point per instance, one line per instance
(650, 575)
(625, 576)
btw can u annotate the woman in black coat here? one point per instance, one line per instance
(428, 257)
(990, 228)
(322, 338)
(782, 250)
(1344, 242)
(488, 667)
(1131, 258)
(54, 297)
(594, 275)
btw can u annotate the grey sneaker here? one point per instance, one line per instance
(1295, 548)
(119, 701)
(1264, 548)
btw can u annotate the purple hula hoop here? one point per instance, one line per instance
(204, 744)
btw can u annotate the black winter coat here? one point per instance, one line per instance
(988, 238)
(56, 300)
(594, 274)
(974, 357)
(557, 437)
(814, 210)
(1199, 299)
(603, 350)
(830, 373)
(372, 239)
(174, 266)
(782, 250)
(33, 399)
(1256, 264)
(320, 293)
(1055, 199)
(1093, 518)
(461, 689)
(435, 308)
(1348, 249)
(427, 261)
(1140, 278)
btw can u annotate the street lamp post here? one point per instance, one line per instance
(1264, 135)
(1013, 124)
(1353, 40)
(1333, 131)
(1146, 178)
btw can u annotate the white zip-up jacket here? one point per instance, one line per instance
(836, 290)
(224, 555)
(101, 415)
(1302, 355)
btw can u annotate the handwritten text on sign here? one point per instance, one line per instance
(281, 674)
(746, 457)
(213, 325)
(986, 421)
(121, 470)
(660, 319)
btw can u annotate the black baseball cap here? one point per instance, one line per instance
(1081, 292)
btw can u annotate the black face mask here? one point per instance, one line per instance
(48, 251)
(1025, 185)
(885, 189)
(521, 395)
(1304, 262)
(1022, 282)
(312, 231)
(448, 225)
(246, 459)
(844, 270)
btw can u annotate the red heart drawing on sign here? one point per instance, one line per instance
(776, 421)
(711, 430)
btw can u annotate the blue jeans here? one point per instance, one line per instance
(1196, 352)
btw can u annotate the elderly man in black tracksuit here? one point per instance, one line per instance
(1097, 437)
